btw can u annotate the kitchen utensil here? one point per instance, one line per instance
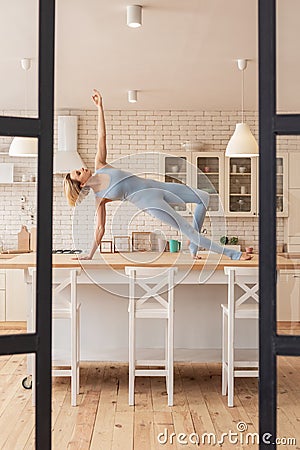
(24, 239)
(161, 243)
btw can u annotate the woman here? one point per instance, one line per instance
(154, 197)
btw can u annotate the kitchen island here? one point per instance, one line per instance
(102, 290)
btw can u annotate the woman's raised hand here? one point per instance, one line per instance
(97, 99)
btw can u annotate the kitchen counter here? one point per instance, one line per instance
(201, 286)
(119, 261)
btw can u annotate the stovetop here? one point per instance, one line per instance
(67, 251)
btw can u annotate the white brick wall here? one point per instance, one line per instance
(130, 135)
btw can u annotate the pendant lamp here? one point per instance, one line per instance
(242, 143)
(24, 146)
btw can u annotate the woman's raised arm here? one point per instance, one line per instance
(100, 159)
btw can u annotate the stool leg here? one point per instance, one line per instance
(230, 361)
(73, 362)
(78, 352)
(170, 345)
(224, 349)
(131, 354)
(167, 355)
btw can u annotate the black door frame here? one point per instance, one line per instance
(271, 124)
(42, 128)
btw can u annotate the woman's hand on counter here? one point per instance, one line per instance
(84, 257)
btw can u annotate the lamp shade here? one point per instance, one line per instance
(67, 158)
(65, 161)
(24, 146)
(134, 16)
(242, 143)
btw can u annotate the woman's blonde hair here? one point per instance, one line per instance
(73, 191)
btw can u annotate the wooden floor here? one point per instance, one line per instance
(103, 420)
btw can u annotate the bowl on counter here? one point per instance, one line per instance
(192, 145)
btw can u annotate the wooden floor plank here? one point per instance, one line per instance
(105, 417)
(123, 430)
(144, 435)
(103, 420)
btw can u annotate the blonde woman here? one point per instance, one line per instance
(153, 197)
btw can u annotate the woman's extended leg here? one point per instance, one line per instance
(175, 193)
(153, 202)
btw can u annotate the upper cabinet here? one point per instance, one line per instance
(208, 175)
(241, 186)
(232, 183)
(176, 168)
(282, 185)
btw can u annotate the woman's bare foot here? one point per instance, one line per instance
(245, 256)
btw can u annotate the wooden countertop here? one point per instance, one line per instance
(155, 259)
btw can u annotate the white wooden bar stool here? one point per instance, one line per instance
(156, 283)
(64, 306)
(238, 307)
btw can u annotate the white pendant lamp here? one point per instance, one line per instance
(24, 146)
(242, 143)
(67, 158)
(134, 16)
(132, 96)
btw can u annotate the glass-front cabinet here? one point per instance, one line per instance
(241, 186)
(175, 168)
(232, 183)
(282, 185)
(208, 175)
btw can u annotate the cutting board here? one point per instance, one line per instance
(33, 239)
(24, 239)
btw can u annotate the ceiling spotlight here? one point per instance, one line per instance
(134, 16)
(132, 96)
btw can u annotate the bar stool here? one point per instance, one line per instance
(64, 306)
(237, 307)
(155, 282)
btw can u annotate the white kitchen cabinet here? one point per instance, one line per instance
(288, 296)
(241, 186)
(282, 185)
(208, 175)
(2, 295)
(293, 222)
(15, 295)
(176, 168)
(232, 183)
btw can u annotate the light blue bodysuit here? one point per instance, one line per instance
(156, 198)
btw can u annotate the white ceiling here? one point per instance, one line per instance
(183, 57)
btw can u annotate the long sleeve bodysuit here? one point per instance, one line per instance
(156, 198)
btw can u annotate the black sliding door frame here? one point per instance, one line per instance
(41, 128)
(271, 125)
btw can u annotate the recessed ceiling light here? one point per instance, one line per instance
(132, 96)
(134, 16)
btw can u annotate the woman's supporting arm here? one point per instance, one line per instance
(99, 231)
(100, 159)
